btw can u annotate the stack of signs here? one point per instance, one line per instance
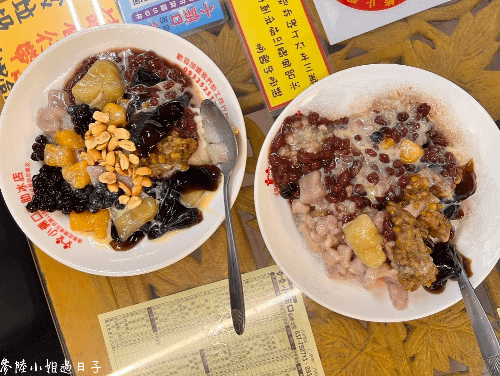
(181, 17)
(344, 19)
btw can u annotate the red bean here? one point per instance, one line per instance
(359, 189)
(373, 178)
(403, 181)
(384, 158)
(342, 196)
(345, 144)
(414, 136)
(409, 167)
(344, 178)
(403, 116)
(440, 140)
(336, 188)
(348, 218)
(355, 168)
(380, 120)
(357, 137)
(400, 171)
(397, 163)
(423, 109)
(313, 117)
(330, 197)
(389, 171)
(395, 135)
(371, 152)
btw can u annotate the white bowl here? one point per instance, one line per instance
(345, 93)
(51, 70)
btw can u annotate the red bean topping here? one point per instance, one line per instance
(440, 140)
(414, 126)
(400, 171)
(342, 195)
(330, 197)
(313, 117)
(397, 163)
(384, 158)
(355, 168)
(169, 85)
(356, 152)
(348, 218)
(432, 133)
(409, 167)
(452, 171)
(345, 144)
(403, 116)
(390, 171)
(379, 119)
(387, 131)
(306, 168)
(449, 157)
(423, 109)
(357, 137)
(373, 178)
(344, 178)
(403, 181)
(304, 156)
(336, 188)
(432, 156)
(376, 146)
(371, 152)
(359, 189)
(344, 120)
(374, 167)
(444, 173)
(316, 165)
(403, 132)
(395, 135)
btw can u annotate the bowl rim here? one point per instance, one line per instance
(262, 164)
(238, 120)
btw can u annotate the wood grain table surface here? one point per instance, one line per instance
(459, 41)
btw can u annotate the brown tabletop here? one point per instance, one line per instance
(459, 41)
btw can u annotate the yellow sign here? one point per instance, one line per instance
(283, 47)
(28, 27)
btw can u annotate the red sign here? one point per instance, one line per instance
(371, 5)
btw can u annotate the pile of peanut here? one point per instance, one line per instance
(109, 145)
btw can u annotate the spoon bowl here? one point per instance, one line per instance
(223, 150)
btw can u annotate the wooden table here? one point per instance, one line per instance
(459, 41)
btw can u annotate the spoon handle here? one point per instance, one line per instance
(485, 335)
(234, 274)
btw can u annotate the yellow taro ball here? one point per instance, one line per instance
(69, 138)
(117, 114)
(60, 156)
(365, 240)
(76, 175)
(101, 85)
(410, 151)
(88, 222)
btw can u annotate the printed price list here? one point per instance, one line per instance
(191, 332)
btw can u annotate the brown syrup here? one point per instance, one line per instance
(447, 268)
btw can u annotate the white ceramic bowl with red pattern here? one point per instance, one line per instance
(51, 70)
(478, 237)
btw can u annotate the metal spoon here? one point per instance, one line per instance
(219, 135)
(485, 335)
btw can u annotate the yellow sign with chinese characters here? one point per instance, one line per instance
(28, 27)
(283, 47)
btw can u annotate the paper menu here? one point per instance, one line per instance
(191, 333)
(344, 19)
